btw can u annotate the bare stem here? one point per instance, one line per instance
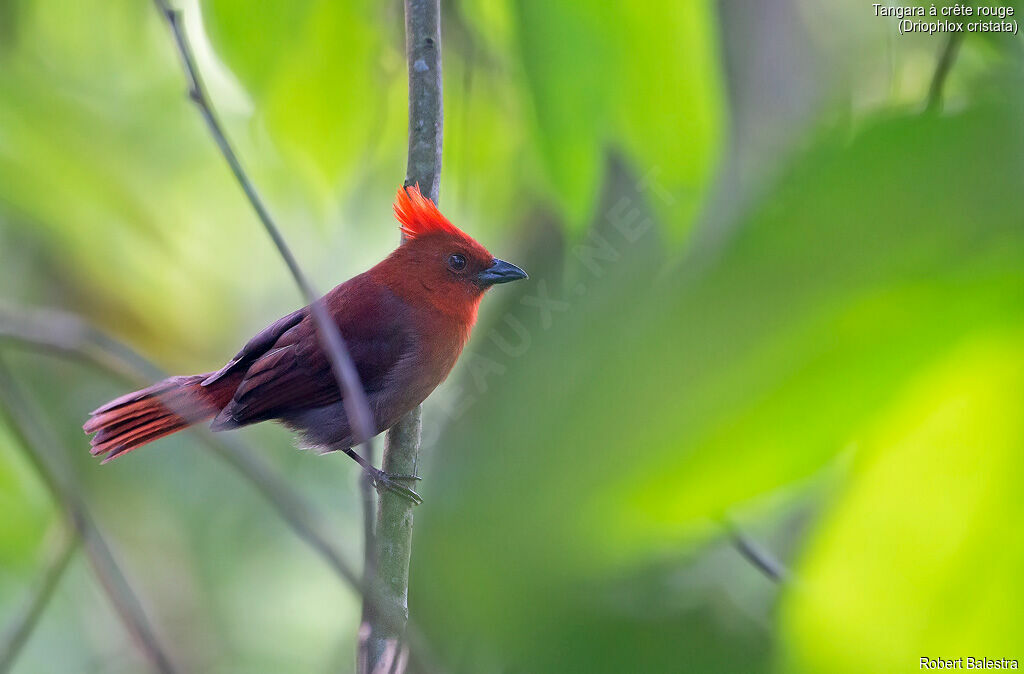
(40, 450)
(20, 629)
(385, 618)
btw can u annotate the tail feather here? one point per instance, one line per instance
(140, 417)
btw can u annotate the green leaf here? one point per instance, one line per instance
(254, 37)
(325, 79)
(639, 78)
(328, 102)
(921, 554)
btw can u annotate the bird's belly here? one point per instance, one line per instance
(327, 428)
(321, 428)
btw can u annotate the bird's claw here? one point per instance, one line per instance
(382, 480)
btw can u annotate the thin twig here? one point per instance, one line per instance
(21, 627)
(357, 408)
(947, 57)
(761, 559)
(39, 449)
(385, 617)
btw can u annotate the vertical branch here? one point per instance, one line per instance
(385, 618)
(423, 51)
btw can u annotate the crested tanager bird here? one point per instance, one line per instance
(405, 322)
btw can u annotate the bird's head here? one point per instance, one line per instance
(439, 263)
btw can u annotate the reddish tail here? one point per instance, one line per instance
(143, 416)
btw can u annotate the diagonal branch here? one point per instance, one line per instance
(20, 629)
(30, 433)
(356, 406)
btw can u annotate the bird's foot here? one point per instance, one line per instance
(382, 480)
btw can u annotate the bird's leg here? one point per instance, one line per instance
(384, 480)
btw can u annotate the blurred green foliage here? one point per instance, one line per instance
(835, 362)
(682, 396)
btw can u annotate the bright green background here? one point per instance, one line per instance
(764, 286)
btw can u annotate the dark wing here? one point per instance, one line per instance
(258, 345)
(293, 373)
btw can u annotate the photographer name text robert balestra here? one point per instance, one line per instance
(968, 663)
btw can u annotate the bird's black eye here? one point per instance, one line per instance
(456, 262)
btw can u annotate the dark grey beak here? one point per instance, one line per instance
(500, 272)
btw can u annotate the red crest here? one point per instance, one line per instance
(418, 216)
